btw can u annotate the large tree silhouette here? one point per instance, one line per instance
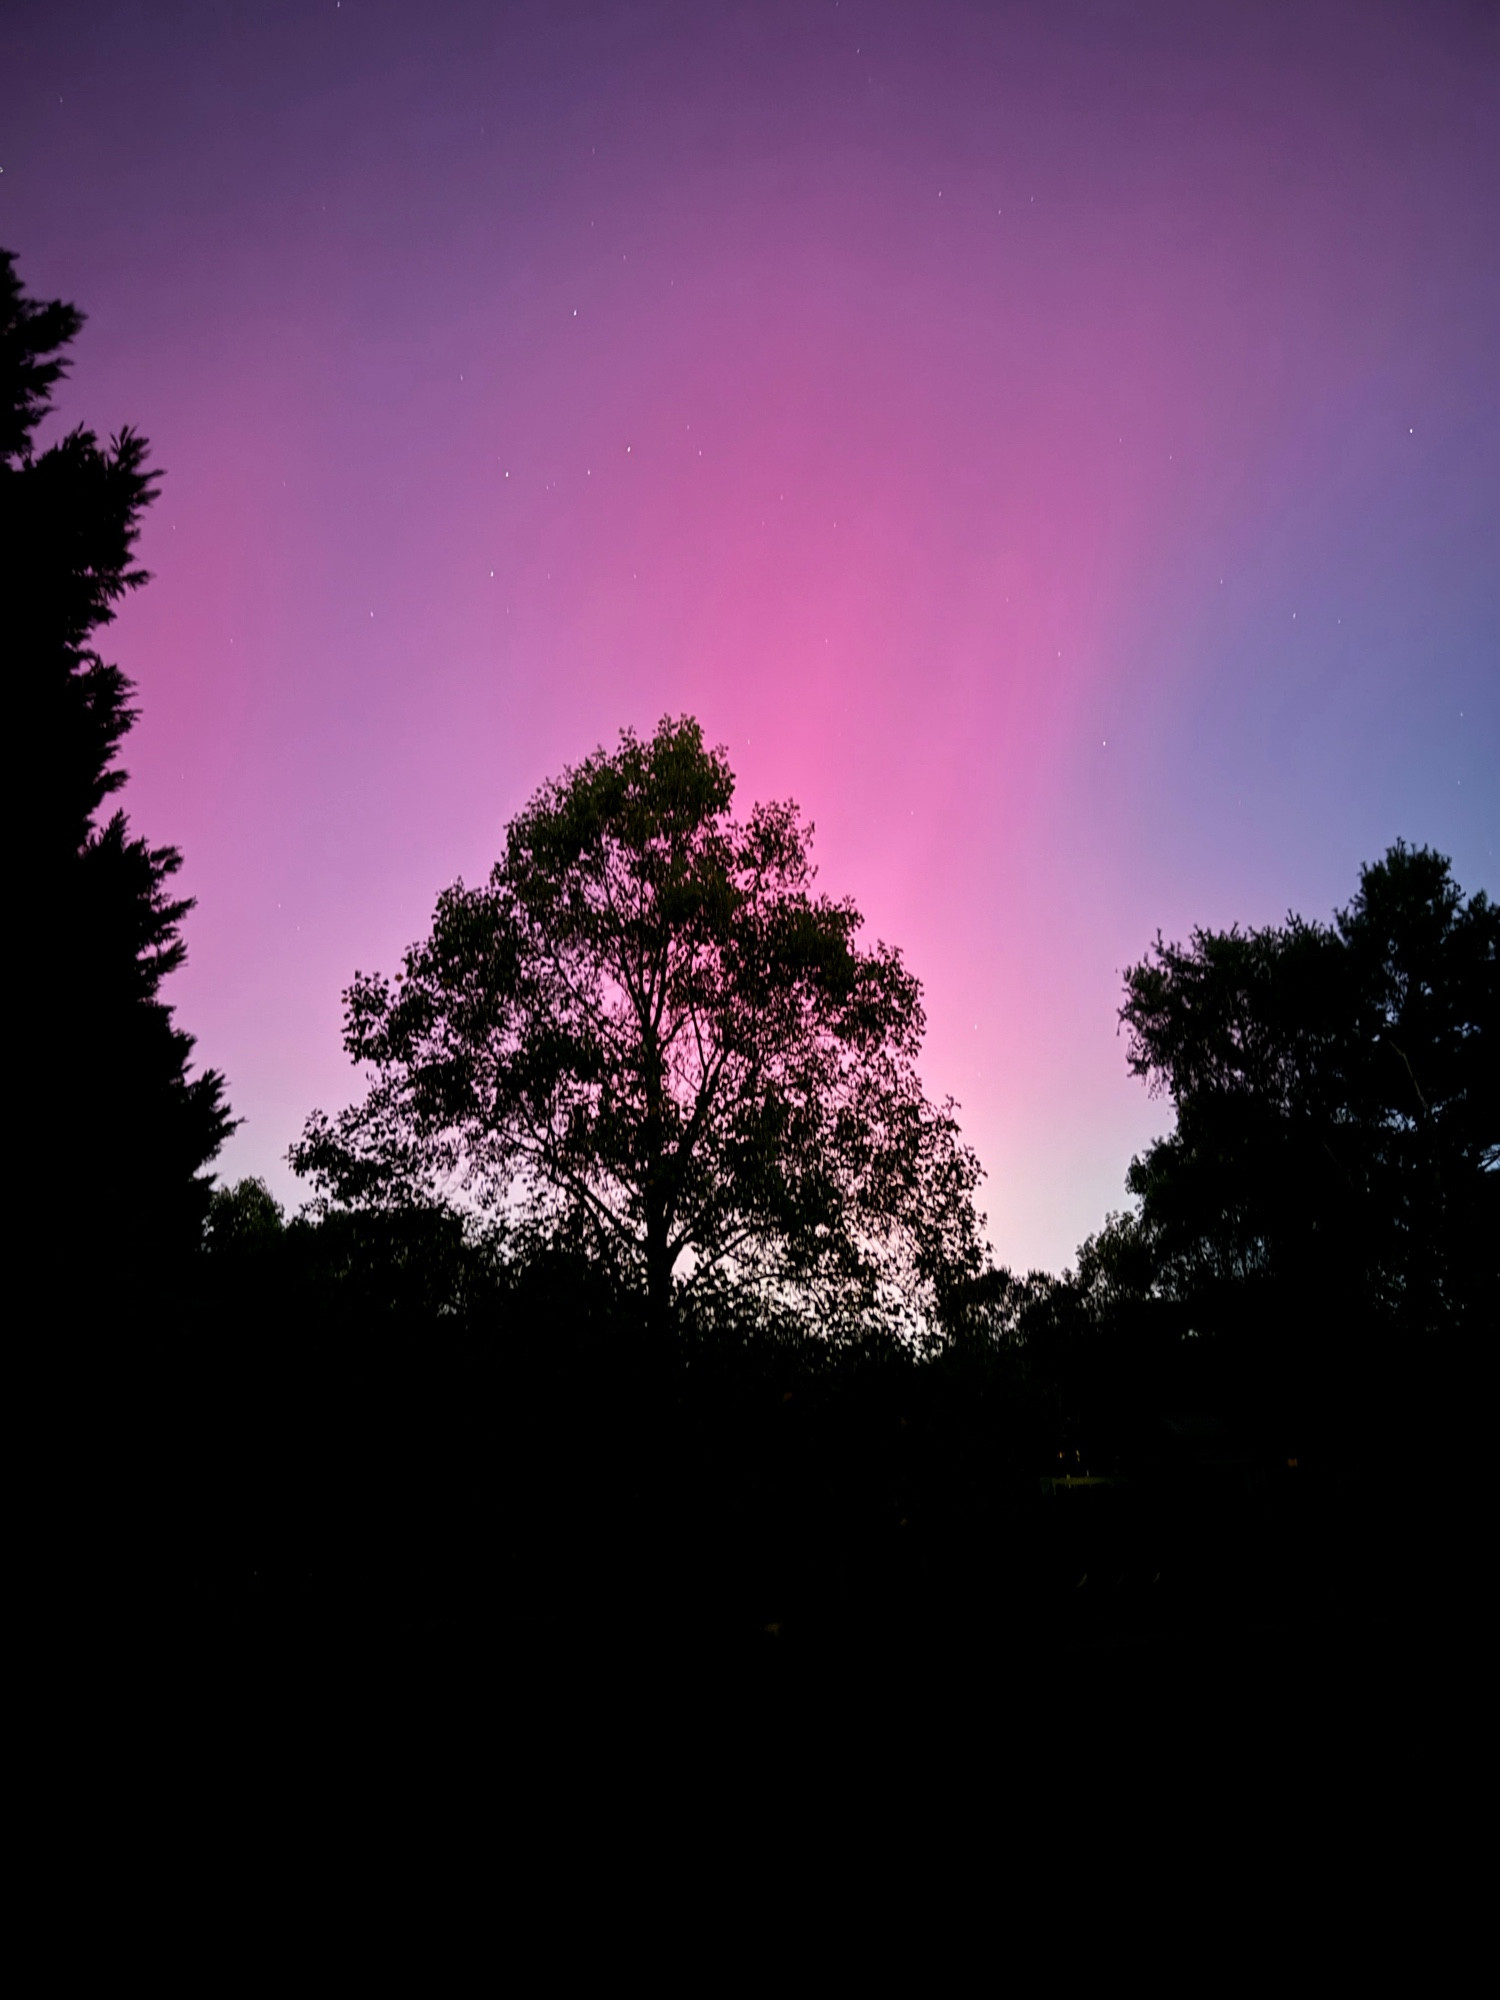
(114, 1133)
(1335, 1166)
(647, 1034)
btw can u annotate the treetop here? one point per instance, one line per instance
(647, 1030)
(33, 333)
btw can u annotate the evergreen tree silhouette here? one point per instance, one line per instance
(114, 1133)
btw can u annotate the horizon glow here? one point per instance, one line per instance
(1054, 444)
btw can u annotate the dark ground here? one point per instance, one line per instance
(521, 1545)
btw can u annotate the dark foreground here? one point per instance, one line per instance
(523, 1538)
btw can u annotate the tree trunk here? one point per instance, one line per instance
(658, 1281)
(658, 1224)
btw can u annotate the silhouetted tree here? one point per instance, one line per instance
(114, 1134)
(246, 1213)
(647, 1035)
(1334, 1162)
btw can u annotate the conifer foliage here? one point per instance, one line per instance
(117, 1134)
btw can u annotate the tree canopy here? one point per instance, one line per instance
(117, 1132)
(1338, 1119)
(649, 1036)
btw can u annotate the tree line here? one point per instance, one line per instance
(643, 1133)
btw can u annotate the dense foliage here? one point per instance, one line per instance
(648, 1035)
(116, 1132)
(1338, 1116)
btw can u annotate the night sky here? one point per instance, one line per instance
(1056, 444)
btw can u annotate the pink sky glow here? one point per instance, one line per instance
(1055, 444)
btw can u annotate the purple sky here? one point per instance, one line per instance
(1056, 444)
